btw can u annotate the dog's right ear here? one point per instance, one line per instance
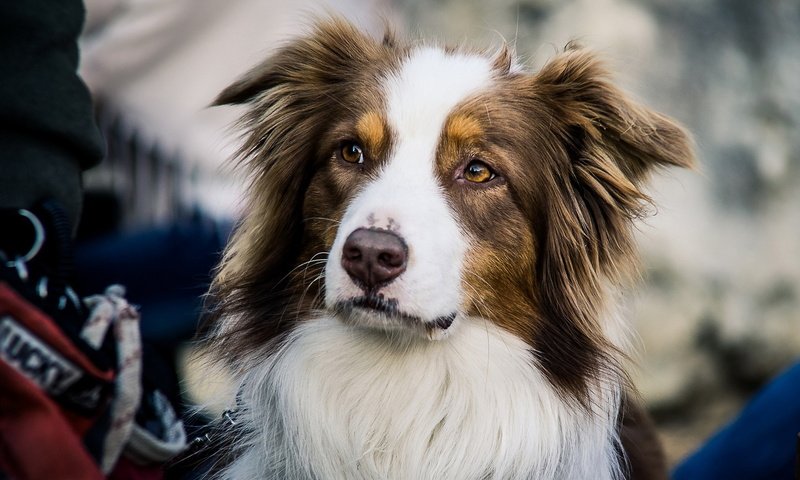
(292, 97)
(320, 59)
(248, 86)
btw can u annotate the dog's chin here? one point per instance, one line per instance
(378, 313)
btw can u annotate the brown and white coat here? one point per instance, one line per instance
(487, 345)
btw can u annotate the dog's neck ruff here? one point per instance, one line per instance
(339, 402)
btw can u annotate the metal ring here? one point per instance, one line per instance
(38, 240)
(69, 294)
(41, 288)
(22, 269)
(228, 414)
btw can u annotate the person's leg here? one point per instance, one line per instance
(759, 443)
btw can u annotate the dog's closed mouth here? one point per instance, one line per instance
(375, 302)
(444, 322)
(389, 307)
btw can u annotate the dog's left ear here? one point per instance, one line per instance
(602, 121)
(603, 145)
(611, 144)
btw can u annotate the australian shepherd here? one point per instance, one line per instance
(423, 286)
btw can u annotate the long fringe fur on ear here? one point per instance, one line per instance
(588, 245)
(636, 137)
(291, 95)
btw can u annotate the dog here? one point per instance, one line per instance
(423, 285)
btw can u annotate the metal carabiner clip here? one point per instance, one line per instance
(19, 262)
(38, 239)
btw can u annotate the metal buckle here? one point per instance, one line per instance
(19, 261)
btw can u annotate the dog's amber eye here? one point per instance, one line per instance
(351, 152)
(478, 172)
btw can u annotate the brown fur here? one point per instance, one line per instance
(549, 236)
(298, 95)
(645, 457)
(373, 130)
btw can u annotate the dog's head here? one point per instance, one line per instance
(403, 188)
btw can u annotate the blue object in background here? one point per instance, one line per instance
(760, 444)
(165, 270)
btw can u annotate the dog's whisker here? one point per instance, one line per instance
(312, 261)
(325, 219)
(318, 277)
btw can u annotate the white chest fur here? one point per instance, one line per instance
(337, 402)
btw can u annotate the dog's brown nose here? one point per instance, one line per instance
(374, 258)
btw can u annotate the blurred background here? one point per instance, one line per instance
(718, 308)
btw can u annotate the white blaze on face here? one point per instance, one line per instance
(407, 197)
